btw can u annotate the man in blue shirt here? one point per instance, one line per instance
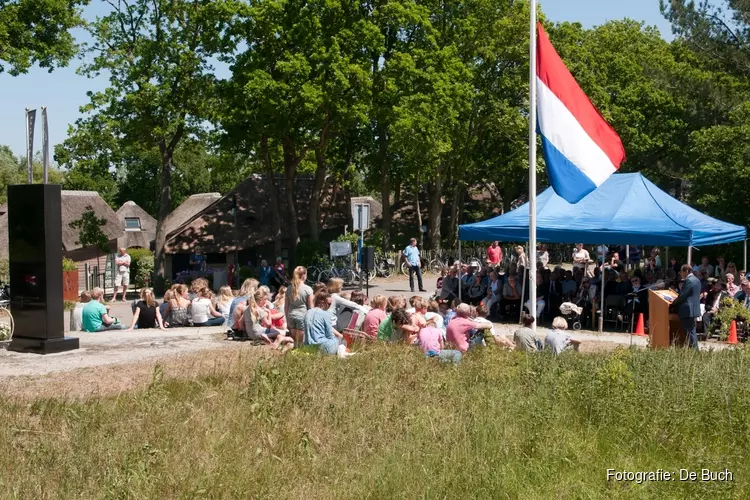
(412, 258)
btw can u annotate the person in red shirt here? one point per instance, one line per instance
(494, 254)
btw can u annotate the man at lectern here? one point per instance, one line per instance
(688, 304)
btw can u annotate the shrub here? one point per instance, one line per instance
(69, 265)
(141, 266)
(69, 305)
(246, 272)
(309, 252)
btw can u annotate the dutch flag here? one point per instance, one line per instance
(580, 148)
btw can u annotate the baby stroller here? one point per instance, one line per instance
(572, 314)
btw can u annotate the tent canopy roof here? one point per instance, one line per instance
(627, 209)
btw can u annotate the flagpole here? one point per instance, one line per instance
(532, 159)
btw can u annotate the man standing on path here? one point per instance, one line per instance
(412, 258)
(688, 304)
(122, 276)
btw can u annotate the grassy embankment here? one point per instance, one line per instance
(390, 424)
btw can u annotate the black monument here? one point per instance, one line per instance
(35, 250)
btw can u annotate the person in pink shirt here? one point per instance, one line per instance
(431, 342)
(460, 328)
(494, 254)
(375, 316)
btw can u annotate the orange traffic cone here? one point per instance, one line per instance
(732, 333)
(640, 331)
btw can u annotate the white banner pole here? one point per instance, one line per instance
(532, 159)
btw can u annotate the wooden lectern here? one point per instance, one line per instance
(665, 328)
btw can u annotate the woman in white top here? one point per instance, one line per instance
(338, 303)
(543, 256)
(224, 302)
(580, 256)
(202, 311)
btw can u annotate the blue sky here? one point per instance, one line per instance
(63, 91)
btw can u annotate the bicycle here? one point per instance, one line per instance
(344, 271)
(384, 266)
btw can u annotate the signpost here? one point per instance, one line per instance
(361, 218)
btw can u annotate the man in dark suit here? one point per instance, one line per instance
(688, 304)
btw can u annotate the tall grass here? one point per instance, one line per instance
(390, 424)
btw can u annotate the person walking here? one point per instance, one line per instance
(122, 276)
(411, 253)
(688, 304)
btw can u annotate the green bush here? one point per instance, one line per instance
(69, 305)
(247, 272)
(69, 265)
(141, 266)
(309, 252)
(352, 238)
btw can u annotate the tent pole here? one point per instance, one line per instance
(627, 257)
(744, 265)
(666, 261)
(523, 294)
(460, 283)
(690, 256)
(532, 159)
(601, 294)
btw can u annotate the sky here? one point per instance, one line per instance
(63, 91)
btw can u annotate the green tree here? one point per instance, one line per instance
(37, 31)
(158, 56)
(14, 170)
(90, 232)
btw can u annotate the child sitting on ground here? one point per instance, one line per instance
(431, 342)
(392, 328)
(452, 311)
(479, 315)
(224, 302)
(395, 302)
(76, 315)
(376, 315)
(433, 314)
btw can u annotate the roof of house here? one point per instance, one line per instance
(187, 210)
(135, 238)
(213, 230)
(73, 205)
(376, 208)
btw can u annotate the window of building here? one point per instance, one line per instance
(132, 223)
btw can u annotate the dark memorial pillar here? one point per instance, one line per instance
(35, 249)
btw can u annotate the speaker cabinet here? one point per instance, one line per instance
(35, 251)
(368, 258)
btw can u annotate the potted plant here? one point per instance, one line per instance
(70, 280)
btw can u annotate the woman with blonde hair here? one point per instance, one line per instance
(196, 286)
(202, 311)
(258, 325)
(146, 313)
(299, 299)
(177, 311)
(248, 288)
(224, 302)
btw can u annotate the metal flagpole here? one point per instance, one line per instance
(744, 265)
(532, 158)
(45, 145)
(28, 149)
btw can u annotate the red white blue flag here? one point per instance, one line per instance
(580, 148)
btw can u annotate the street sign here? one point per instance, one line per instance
(361, 216)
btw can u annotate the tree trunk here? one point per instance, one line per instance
(165, 206)
(291, 161)
(435, 209)
(274, 196)
(397, 193)
(313, 217)
(418, 209)
(385, 186)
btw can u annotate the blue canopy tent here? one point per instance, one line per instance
(627, 209)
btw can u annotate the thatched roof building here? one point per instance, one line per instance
(73, 205)
(213, 230)
(187, 210)
(138, 226)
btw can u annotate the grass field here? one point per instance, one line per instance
(390, 424)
